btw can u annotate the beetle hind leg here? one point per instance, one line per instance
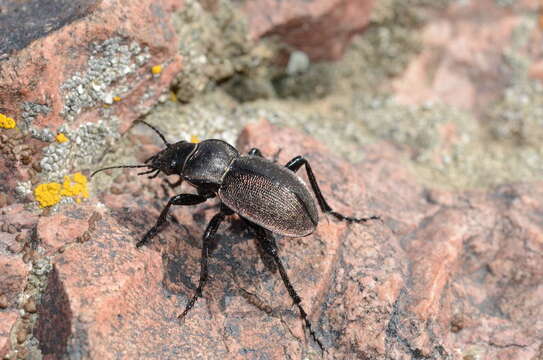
(257, 152)
(295, 164)
(270, 247)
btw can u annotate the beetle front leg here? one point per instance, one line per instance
(269, 245)
(206, 249)
(181, 199)
(296, 164)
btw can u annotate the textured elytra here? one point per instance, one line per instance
(269, 195)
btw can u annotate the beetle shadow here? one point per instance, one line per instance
(230, 267)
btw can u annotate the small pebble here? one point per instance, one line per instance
(26, 159)
(20, 237)
(27, 257)
(23, 353)
(4, 303)
(30, 306)
(15, 248)
(12, 229)
(3, 200)
(21, 335)
(115, 190)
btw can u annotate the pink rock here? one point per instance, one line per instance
(320, 28)
(466, 58)
(40, 72)
(448, 275)
(96, 64)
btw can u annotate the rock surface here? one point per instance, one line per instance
(320, 28)
(445, 276)
(65, 73)
(449, 41)
(15, 230)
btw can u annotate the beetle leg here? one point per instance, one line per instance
(206, 249)
(255, 152)
(296, 164)
(181, 199)
(269, 245)
(266, 258)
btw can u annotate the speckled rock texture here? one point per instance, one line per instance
(444, 276)
(320, 28)
(66, 65)
(452, 37)
(15, 251)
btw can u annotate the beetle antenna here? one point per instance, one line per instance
(120, 166)
(157, 131)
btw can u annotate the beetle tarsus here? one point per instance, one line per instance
(295, 164)
(353, 219)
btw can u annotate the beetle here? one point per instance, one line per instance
(270, 199)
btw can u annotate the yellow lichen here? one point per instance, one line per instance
(73, 186)
(194, 139)
(157, 69)
(117, 98)
(61, 138)
(6, 122)
(173, 96)
(47, 194)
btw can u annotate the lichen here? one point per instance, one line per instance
(106, 75)
(156, 70)
(61, 138)
(6, 122)
(74, 186)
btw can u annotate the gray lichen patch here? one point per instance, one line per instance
(85, 146)
(106, 75)
(30, 112)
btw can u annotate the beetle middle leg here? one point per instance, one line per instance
(267, 242)
(181, 199)
(257, 152)
(207, 245)
(296, 164)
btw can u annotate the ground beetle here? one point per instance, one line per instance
(270, 198)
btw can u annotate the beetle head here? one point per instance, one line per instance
(172, 159)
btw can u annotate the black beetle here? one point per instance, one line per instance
(270, 198)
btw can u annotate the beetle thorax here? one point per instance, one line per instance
(209, 162)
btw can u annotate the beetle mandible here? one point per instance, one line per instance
(270, 198)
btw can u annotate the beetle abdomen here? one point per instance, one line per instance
(269, 195)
